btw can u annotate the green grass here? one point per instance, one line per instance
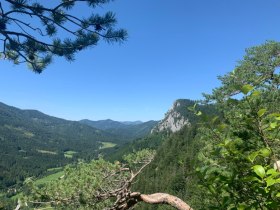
(46, 152)
(49, 178)
(28, 134)
(69, 154)
(42, 181)
(17, 196)
(55, 169)
(106, 145)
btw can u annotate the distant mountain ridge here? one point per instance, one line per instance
(131, 122)
(102, 124)
(127, 130)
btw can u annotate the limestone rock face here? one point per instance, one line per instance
(173, 120)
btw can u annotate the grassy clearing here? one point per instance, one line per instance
(24, 132)
(69, 154)
(55, 169)
(106, 145)
(49, 178)
(28, 134)
(46, 152)
(41, 181)
(17, 196)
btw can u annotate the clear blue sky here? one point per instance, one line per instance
(176, 49)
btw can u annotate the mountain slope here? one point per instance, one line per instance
(31, 142)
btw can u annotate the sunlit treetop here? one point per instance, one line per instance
(259, 68)
(33, 31)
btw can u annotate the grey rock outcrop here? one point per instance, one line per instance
(173, 120)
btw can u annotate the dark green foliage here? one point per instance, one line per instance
(97, 185)
(184, 109)
(172, 170)
(7, 204)
(152, 141)
(34, 31)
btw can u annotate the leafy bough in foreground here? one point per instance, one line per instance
(100, 185)
(239, 162)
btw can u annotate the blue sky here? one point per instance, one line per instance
(176, 49)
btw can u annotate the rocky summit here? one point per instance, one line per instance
(174, 119)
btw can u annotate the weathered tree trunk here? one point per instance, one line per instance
(164, 198)
(156, 198)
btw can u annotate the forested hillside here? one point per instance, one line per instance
(172, 170)
(32, 142)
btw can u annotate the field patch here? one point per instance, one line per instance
(69, 154)
(46, 152)
(55, 169)
(49, 178)
(106, 145)
(21, 130)
(28, 134)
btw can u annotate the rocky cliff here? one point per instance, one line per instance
(174, 119)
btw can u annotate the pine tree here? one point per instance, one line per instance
(33, 32)
(99, 185)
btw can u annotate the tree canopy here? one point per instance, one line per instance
(99, 185)
(240, 159)
(33, 32)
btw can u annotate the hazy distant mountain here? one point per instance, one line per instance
(125, 130)
(104, 124)
(132, 122)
